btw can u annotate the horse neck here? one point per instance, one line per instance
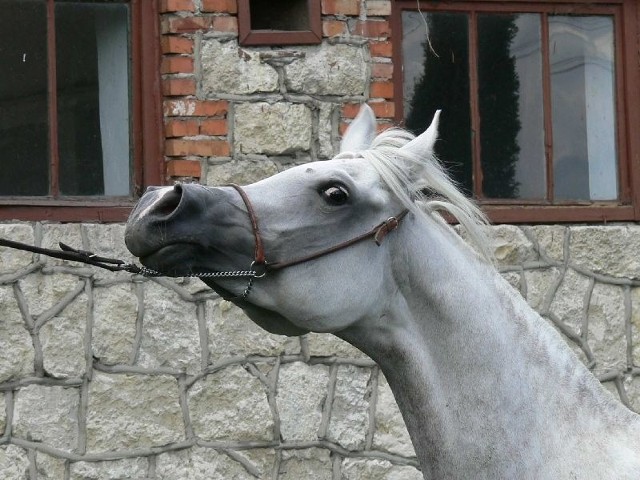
(477, 374)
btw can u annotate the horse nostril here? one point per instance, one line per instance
(169, 201)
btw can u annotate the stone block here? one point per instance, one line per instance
(327, 345)
(68, 233)
(230, 404)
(635, 325)
(349, 422)
(48, 415)
(62, 339)
(229, 69)
(49, 468)
(43, 292)
(3, 416)
(550, 240)
(326, 130)
(539, 283)
(328, 69)
(632, 388)
(511, 246)
(308, 463)
(14, 463)
(115, 309)
(107, 240)
(112, 470)
(302, 391)
(610, 250)
(207, 464)
(232, 333)
(391, 434)
(272, 129)
(133, 411)
(241, 172)
(606, 334)
(10, 259)
(568, 302)
(376, 469)
(16, 347)
(170, 335)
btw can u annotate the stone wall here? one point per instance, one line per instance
(110, 375)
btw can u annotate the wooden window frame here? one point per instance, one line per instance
(626, 14)
(146, 131)
(248, 36)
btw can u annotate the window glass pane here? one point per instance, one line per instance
(511, 106)
(435, 49)
(92, 50)
(23, 98)
(582, 87)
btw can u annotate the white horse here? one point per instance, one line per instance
(486, 387)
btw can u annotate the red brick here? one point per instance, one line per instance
(176, 6)
(181, 128)
(372, 28)
(350, 110)
(382, 70)
(382, 89)
(184, 168)
(383, 109)
(380, 49)
(172, 87)
(341, 7)
(186, 24)
(220, 6)
(177, 64)
(202, 148)
(195, 108)
(216, 126)
(225, 24)
(175, 44)
(333, 28)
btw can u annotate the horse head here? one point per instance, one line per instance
(191, 228)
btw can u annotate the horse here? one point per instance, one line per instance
(361, 246)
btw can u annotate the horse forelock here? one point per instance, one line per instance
(422, 185)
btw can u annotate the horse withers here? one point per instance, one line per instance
(357, 246)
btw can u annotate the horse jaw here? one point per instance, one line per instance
(361, 131)
(270, 320)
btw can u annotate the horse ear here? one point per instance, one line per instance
(423, 143)
(360, 132)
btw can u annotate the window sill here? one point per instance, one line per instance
(593, 213)
(68, 210)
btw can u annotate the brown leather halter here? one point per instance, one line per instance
(262, 266)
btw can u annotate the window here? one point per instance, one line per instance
(71, 98)
(535, 98)
(286, 22)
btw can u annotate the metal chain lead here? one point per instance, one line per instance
(148, 272)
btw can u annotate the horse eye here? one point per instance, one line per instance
(335, 195)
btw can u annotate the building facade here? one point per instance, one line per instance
(111, 375)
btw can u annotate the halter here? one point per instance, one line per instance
(259, 267)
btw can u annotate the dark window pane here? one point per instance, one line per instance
(93, 105)
(23, 98)
(511, 106)
(583, 99)
(435, 48)
(288, 15)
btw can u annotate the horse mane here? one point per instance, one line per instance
(423, 186)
